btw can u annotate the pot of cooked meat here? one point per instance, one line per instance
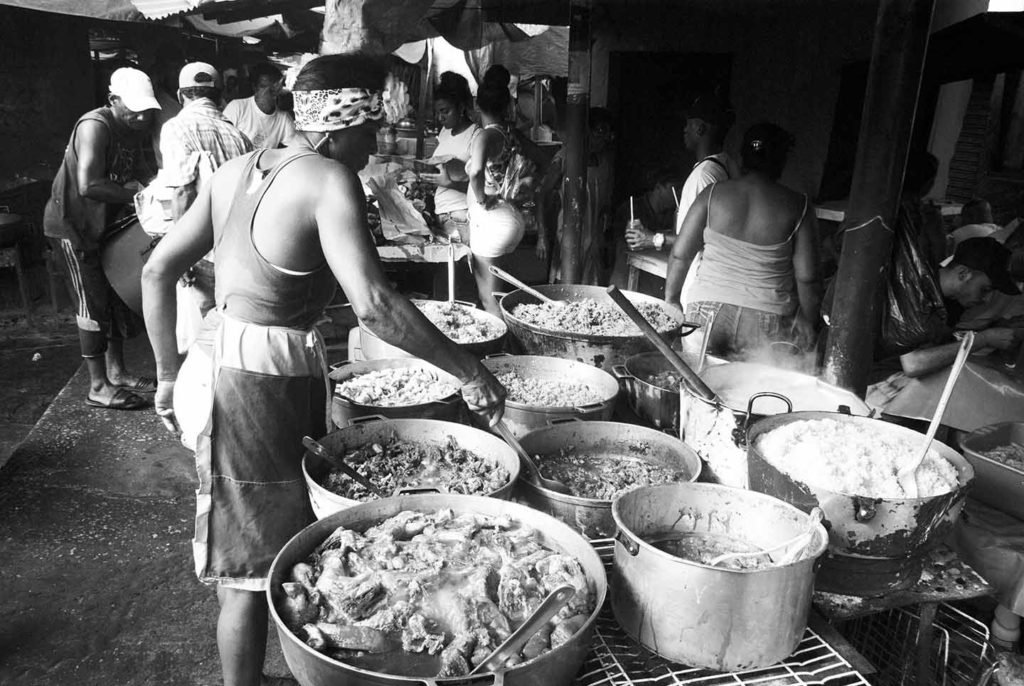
(747, 392)
(878, 532)
(542, 389)
(400, 388)
(585, 325)
(598, 461)
(712, 576)
(409, 455)
(474, 330)
(419, 589)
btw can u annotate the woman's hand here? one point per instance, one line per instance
(163, 402)
(542, 248)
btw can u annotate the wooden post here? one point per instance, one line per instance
(894, 81)
(576, 109)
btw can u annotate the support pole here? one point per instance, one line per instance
(894, 81)
(576, 109)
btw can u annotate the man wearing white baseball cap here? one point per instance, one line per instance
(102, 170)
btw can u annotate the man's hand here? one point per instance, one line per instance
(638, 237)
(485, 396)
(542, 248)
(998, 338)
(163, 402)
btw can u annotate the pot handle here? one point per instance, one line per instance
(621, 373)
(420, 489)
(493, 355)
(485, 679)
(498, 295)
(864, 509)
(563, 420)
(589, 407)
(338, 365)
(739, 434)
(631, 546)
(367, 418)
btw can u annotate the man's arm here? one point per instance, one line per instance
(340, 216)
(926, 360)
(685, 249)
(91, 144)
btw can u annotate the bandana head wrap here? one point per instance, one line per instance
(335, 109)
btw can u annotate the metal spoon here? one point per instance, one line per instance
(531, 466)
(907, 474)
(338, 463)
(505, 276)
(548, 608)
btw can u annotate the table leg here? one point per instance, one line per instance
(925, 633)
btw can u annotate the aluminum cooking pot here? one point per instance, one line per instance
(523, 418)
(555, 668)
(344, 410)
(883, 538)
(711, 617)
(748, 392)
(374, 348)
(600, 351)
(366, 430)
(590, 516)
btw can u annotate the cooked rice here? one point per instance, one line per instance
(587, 316)
(459, 323)
(845, 458)
(395, 387)
(541, 392)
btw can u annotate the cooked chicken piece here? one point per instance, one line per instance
(555, 570)
(389, 619)
(342, 539)
(518, 593)
(455, 657)
(296, 609)
(418, 637)
(539, 643)
(304, 574)
(314, 638)
(350, 637)
(485, 645)
(351, 598)
(566, 628)
(401, 527)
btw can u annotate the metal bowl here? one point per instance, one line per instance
(590, 516)
(597, 350)
(555, 668)
(344, 410)
(366, 430)
(522, 418)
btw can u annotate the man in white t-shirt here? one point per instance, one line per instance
(707, 122)
(258, 116)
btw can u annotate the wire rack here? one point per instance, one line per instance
(617, 660)
(958, 653)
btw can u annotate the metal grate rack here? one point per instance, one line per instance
(958, 653)
(616, 660)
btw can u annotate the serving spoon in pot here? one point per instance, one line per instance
(792, 547)
(907, 474)
(524, 457)
(548, 608)
(339, 463)
(505, 276)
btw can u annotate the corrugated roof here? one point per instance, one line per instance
(161, 9)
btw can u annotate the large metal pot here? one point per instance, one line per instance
(590, 516)
(711, 617)
(344, 410)
(875, 544)
(522, 418)
(555, 668)
(748, 392)
(373, 348)
(600, 351)
(367, 430)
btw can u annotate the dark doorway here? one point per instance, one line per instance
(649, 92)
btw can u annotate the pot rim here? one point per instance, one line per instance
(632, 359)
(820, 530)
(964, 469)
(352, 368)
(600, 376)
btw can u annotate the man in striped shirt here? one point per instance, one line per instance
(192, 146)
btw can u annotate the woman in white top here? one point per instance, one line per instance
(452, 103)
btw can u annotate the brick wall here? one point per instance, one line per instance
(45, 85)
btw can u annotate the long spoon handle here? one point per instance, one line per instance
(320, 451)
(505, 276)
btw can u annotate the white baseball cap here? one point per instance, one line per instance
(134, 88)
(197, 74)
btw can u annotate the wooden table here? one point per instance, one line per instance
(650, 261)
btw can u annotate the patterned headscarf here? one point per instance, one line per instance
(336, 108)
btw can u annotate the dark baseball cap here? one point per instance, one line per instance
(992, 258)
(712, 109)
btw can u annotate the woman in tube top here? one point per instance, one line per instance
(759, 282)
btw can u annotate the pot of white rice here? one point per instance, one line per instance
(401, 388)
(847, 466)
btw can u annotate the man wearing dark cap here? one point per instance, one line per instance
(707, 122)
(979, 267)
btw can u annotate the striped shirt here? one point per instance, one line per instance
(199, 127)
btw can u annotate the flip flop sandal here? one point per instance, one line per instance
(143, 384)
(122, 399)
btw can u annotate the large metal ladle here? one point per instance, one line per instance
(531, 466)
(691, 378)
(338, 463)
(907, 474)
(505, 276)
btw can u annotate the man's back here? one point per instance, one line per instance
(199, 127)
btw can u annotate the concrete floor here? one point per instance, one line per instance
(96, 512)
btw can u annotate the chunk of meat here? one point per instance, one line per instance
(389, 619)
(455, 656)
(401, 527)
(296, 608)
(518, 593)
(314, 638)
(419, 636)
(566, 628)
(539, 643)
(557, 569)
(303, 574)
(341, 539)
(351, 598)
(351, 637)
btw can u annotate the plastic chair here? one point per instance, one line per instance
(12, 233)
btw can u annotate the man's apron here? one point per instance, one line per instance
(245, 397)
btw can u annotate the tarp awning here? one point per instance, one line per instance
(112, 10)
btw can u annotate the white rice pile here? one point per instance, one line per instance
(843, 457)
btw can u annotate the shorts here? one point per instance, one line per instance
(101, 314)
(737, 331)
(497, 231)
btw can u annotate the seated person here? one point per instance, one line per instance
(759, 276)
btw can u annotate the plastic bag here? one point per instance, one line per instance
(913, 314)
(517, 185)
(398, 215)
